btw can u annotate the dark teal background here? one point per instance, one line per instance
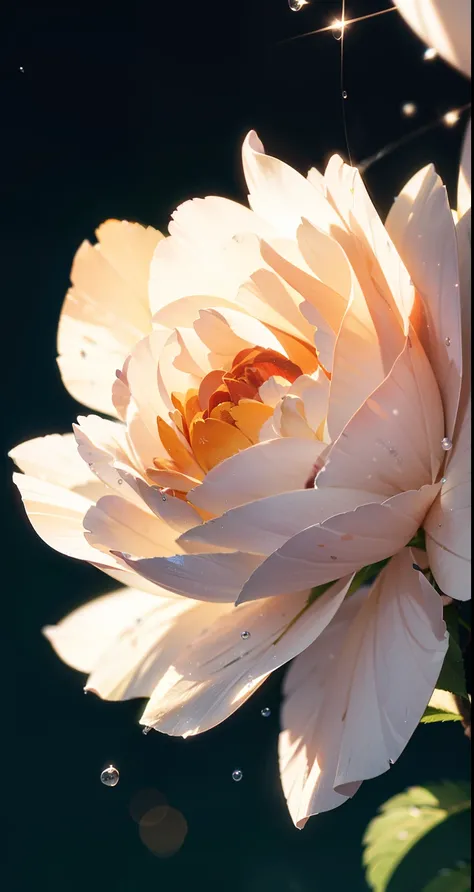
(125, 111)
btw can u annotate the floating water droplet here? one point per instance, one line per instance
(409, 109)
(245, 635)
(296, 5)
(265, 712)
(443, 479)
(447, 341)
(146, 730)
(447, 444)
(237, 775)
(21, 69)
(415, 812)
(344, 94)
(110, 776)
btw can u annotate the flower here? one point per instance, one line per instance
(297, 410)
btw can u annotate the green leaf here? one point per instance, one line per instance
(366, 574)
(456, 880)
(441, 708)
(402, 822)
(452, 677)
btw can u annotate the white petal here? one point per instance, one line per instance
(57, 515)
(422, 227)
(341, 545)
(444, 25)
(219, 670)
(84, 635)
(55, 459)
(262, 470)
(263, 526)
(116, 524)
(393, 443)
(280, 194)
(464, 181)
(448, 524)
(205, 577)
(355, 697)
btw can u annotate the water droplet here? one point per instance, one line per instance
(85, 691)
(146, 730)
(265, 712)
(447, 444)
(429, 54)
(443, 479)
(403, 834)
(110, 776)
(391, 762)
(409, 109)
(163, 498)
(415, 812)
(245, 635)
(344, 94)
(120, 481)
(237, 775)
(297, 5)
(447, 341)
(21, 69)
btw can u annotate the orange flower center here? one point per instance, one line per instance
(225, 415)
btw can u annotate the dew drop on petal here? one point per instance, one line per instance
(447, 341)
(237, 775)
(266, 712)
(146, 730)
(245, 635)
(447, 444)
(120, 481)
(443, 479)
(344, 94)
(296, 5)
(110, 776)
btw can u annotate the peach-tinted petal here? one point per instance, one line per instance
(143, 653)
(56, 514)
(204, 254)
(263, 470)
(116, 524)
(279, 193)
(219, 670)
(177, 449)
(393, 442)
(341, 545)
(106, 310)
(263, 526)
(354, 698)
(227, 332)
(55, 459)
(206, 577)
(266, 297)
(172, 479)
(84, 635)
(444, 25)
(448, 524)
(369, 248)
(422, 227)
(176, 513)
